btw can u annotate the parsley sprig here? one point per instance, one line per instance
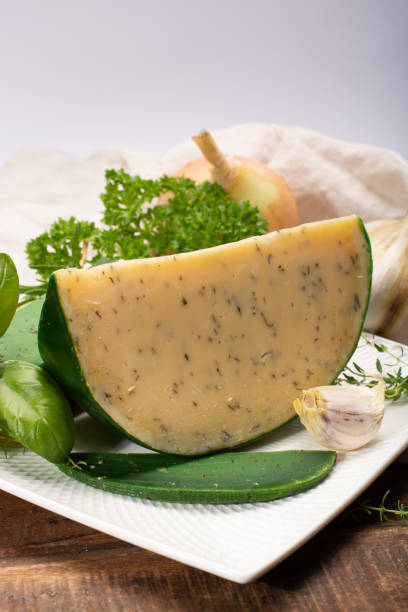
(196, 217)
(60, 247)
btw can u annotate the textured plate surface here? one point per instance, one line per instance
(238, 542)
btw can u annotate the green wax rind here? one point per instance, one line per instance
(225, 478)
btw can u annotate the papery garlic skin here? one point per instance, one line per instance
(388, 309)
(342, 417)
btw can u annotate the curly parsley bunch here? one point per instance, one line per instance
(195, 217)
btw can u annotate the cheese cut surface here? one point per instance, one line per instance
(207, 350)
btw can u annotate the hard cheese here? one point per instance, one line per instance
(207, 350)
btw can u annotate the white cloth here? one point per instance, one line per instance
(329, 178)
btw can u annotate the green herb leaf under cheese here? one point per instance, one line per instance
(207, 350)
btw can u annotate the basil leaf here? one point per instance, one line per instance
(8, 291)
(34, 411)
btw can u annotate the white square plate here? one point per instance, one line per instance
(238, 542)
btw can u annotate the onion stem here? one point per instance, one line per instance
(224, 173)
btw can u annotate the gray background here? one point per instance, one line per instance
(80, 75)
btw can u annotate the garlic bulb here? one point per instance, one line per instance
(388, 310)
(244, 179)
(342, 417)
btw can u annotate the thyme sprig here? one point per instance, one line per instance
(362, 508)
(396, 383)
(401, 511)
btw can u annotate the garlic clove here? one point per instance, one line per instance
(244, 179)
(388, 310)
(342, 417)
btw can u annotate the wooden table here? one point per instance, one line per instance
(51, 563)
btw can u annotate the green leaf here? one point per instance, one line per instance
(381, 348)
(8, 291)
(60, 247)
(196, 217)
(224, 478)
(20, 340)
(34, 411)
(358, 368)
(396, 385)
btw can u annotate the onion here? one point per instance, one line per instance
(244, 179)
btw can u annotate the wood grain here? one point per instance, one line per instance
(51, 563)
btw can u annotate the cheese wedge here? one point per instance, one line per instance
(207, 350)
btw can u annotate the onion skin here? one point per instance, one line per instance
(280, 212)
(245, 180)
